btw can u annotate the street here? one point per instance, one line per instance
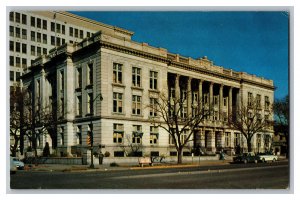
(234, 176)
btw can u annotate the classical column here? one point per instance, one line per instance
(230, 102)
(221, 103)
(43, 89)
(211, 97)
(177, 92)
(189, 97)
(200, 95)
(222, 138)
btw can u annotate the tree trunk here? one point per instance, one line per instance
(249, 145)
(179, 156)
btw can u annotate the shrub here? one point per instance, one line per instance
(114, 164)
(106, 154)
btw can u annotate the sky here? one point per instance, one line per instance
(252, 42)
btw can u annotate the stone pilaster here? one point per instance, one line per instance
(200, 100)
(211, 98)
(221, 103)
(189, 97)
(177, 92)
(230, 103)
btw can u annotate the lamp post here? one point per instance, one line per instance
(91, 135)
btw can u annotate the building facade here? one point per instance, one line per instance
(34, 33)
(104, 83)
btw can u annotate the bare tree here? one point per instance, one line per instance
(281, 110)
(170, 114)
(248, 120)
(132, 148)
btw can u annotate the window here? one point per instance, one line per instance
(38, 22)
(90, 74)
(38, 37)
(61, 136)
(44, 38)
(18, 32)
(24, 19)
(216, 100)
(39, 51)
(236, 139)
(90, 108)
(225, 102)
(44, 51)
(24, 48)
(18, 47)
(195, 98)
(79, 77)
(57, 41)
(24, 63)
(71, 31)
(52, 26)
(137, 134)
(258, 141)
(11, 31)
(171, 140)
(153, 134)
(53, 40)
(63, 41)
(117, 102)
(32, 36)
(79, 135)
(117, 73)
(88, 34)
(18, 75)
(136, 77)
(183, 136)
(267, 103)
(18, 17)
(153, 80)
(81, 34)
(58, 28)
(32, 21)
(153, 107)
(258, 100)
(11, 76)
(118, 133)
(44, 24)
(63, 29)
(79, 106)
(62, 80)
(11, 61)
(227, 139)
(136, 105)
(11, 46)
(11, 16)
(24, 34)
(32, 50)
(250, 98)
(183, 112)
(18, 62)
(76, 32)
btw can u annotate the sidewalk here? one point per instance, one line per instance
(107, 167)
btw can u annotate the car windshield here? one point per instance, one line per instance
(15, 159)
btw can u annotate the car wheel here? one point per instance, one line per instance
(245, 161)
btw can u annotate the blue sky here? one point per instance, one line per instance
(254, 42)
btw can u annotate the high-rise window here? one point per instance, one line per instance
(32, 50)
(117, 73)
(90, 74)
(38, 37)
(153, 134)
(24, 34)
(11, 46)
(11, 61)
(18, 62)
(137, 134)
(52, 26)
(44, 38)
(32, 36)
(18, 32)
(117, 102)
(32, 21)
(24, 63)
(53, 40)
(24, 48)
(11, 31)
(81, 34)
(136, 105)
(11, 16)
(18, 17)
(90, 108)
(44, 24)
(18, 47)
(118, 133)
(58, 28)
(38, 23)
(136, 77)
(153, 80)
(24, 19)
(71, 31)
(153, 107)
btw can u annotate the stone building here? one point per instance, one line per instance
(103, 84)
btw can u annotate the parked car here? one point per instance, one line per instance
(264, 157)
(246, 158)
(13, 168)
(16, 163)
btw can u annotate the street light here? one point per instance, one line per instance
(91, 134)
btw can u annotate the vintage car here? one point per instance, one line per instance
(265, 157)
(246, 158)
(16, 163)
